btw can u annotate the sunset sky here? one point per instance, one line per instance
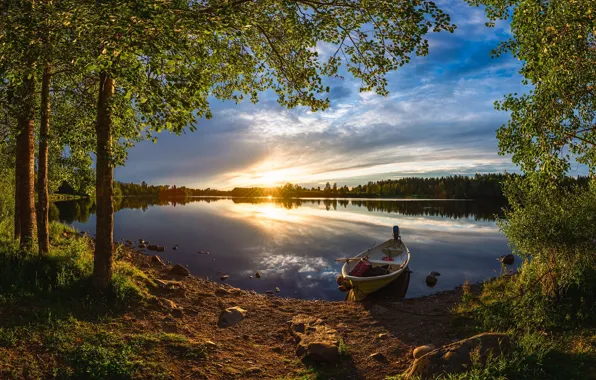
(438, 120)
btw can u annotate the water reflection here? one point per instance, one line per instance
(293, 243)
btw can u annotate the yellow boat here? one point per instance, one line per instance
(390, 257)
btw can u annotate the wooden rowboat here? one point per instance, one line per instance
(393, 255)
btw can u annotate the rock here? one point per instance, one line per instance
(457, 357)
(175, 248)
(128, 242)
(508, 259)
(231, 316)
(277, 290)
(434, 274)
(157, 248)
(431, 281)
(143, 246)
(315, 340)
(249, 276)
(157, 260)
(224, 277)
(270, 292)
(378, 356)
(203, 253)
(423, 350)
(176, 310)
(382, 336)
(179, 270)
(257, 275)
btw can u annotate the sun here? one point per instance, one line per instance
(271, 178)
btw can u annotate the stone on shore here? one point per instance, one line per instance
(157, 260)
(315, 340)
(176, 310)
(457, 357)
(179, 270)
(158, 248)
(423, 350)
(231, 316)
(508, 259)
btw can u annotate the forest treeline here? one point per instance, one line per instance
(80, 210)
(480, 186)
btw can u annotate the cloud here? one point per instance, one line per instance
(439, 119)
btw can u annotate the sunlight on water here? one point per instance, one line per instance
(293, 244)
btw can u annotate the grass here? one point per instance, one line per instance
(343, 348)
(66, 269)
(53, 326)
(96, 350)
(537, 353)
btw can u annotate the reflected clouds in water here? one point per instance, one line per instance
(293, 245)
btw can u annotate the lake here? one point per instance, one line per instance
(293, 243)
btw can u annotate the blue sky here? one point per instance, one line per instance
(438, 120)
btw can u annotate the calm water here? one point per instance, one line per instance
(293, 243)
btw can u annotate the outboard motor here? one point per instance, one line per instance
(396, 235)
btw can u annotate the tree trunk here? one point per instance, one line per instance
(43, 232)
(26, 162)
(104, 188)
(17, 198)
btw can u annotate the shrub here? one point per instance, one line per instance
(554, 229)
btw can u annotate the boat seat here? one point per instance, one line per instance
(383, 262)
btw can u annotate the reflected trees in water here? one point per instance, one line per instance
(80, 210)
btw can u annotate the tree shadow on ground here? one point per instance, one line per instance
(415, 321)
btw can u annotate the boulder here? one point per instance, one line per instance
(231, 316)
(431, 281)
(158, 248)
(157, 260)
(423, 350)
(508, 259)
(457, 357)
(224, 277)
(315, 340)
(257, 275)
(179, 270)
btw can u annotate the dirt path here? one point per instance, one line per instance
(261, 346)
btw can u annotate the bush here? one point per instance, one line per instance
(554, 229)
(67, 267)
